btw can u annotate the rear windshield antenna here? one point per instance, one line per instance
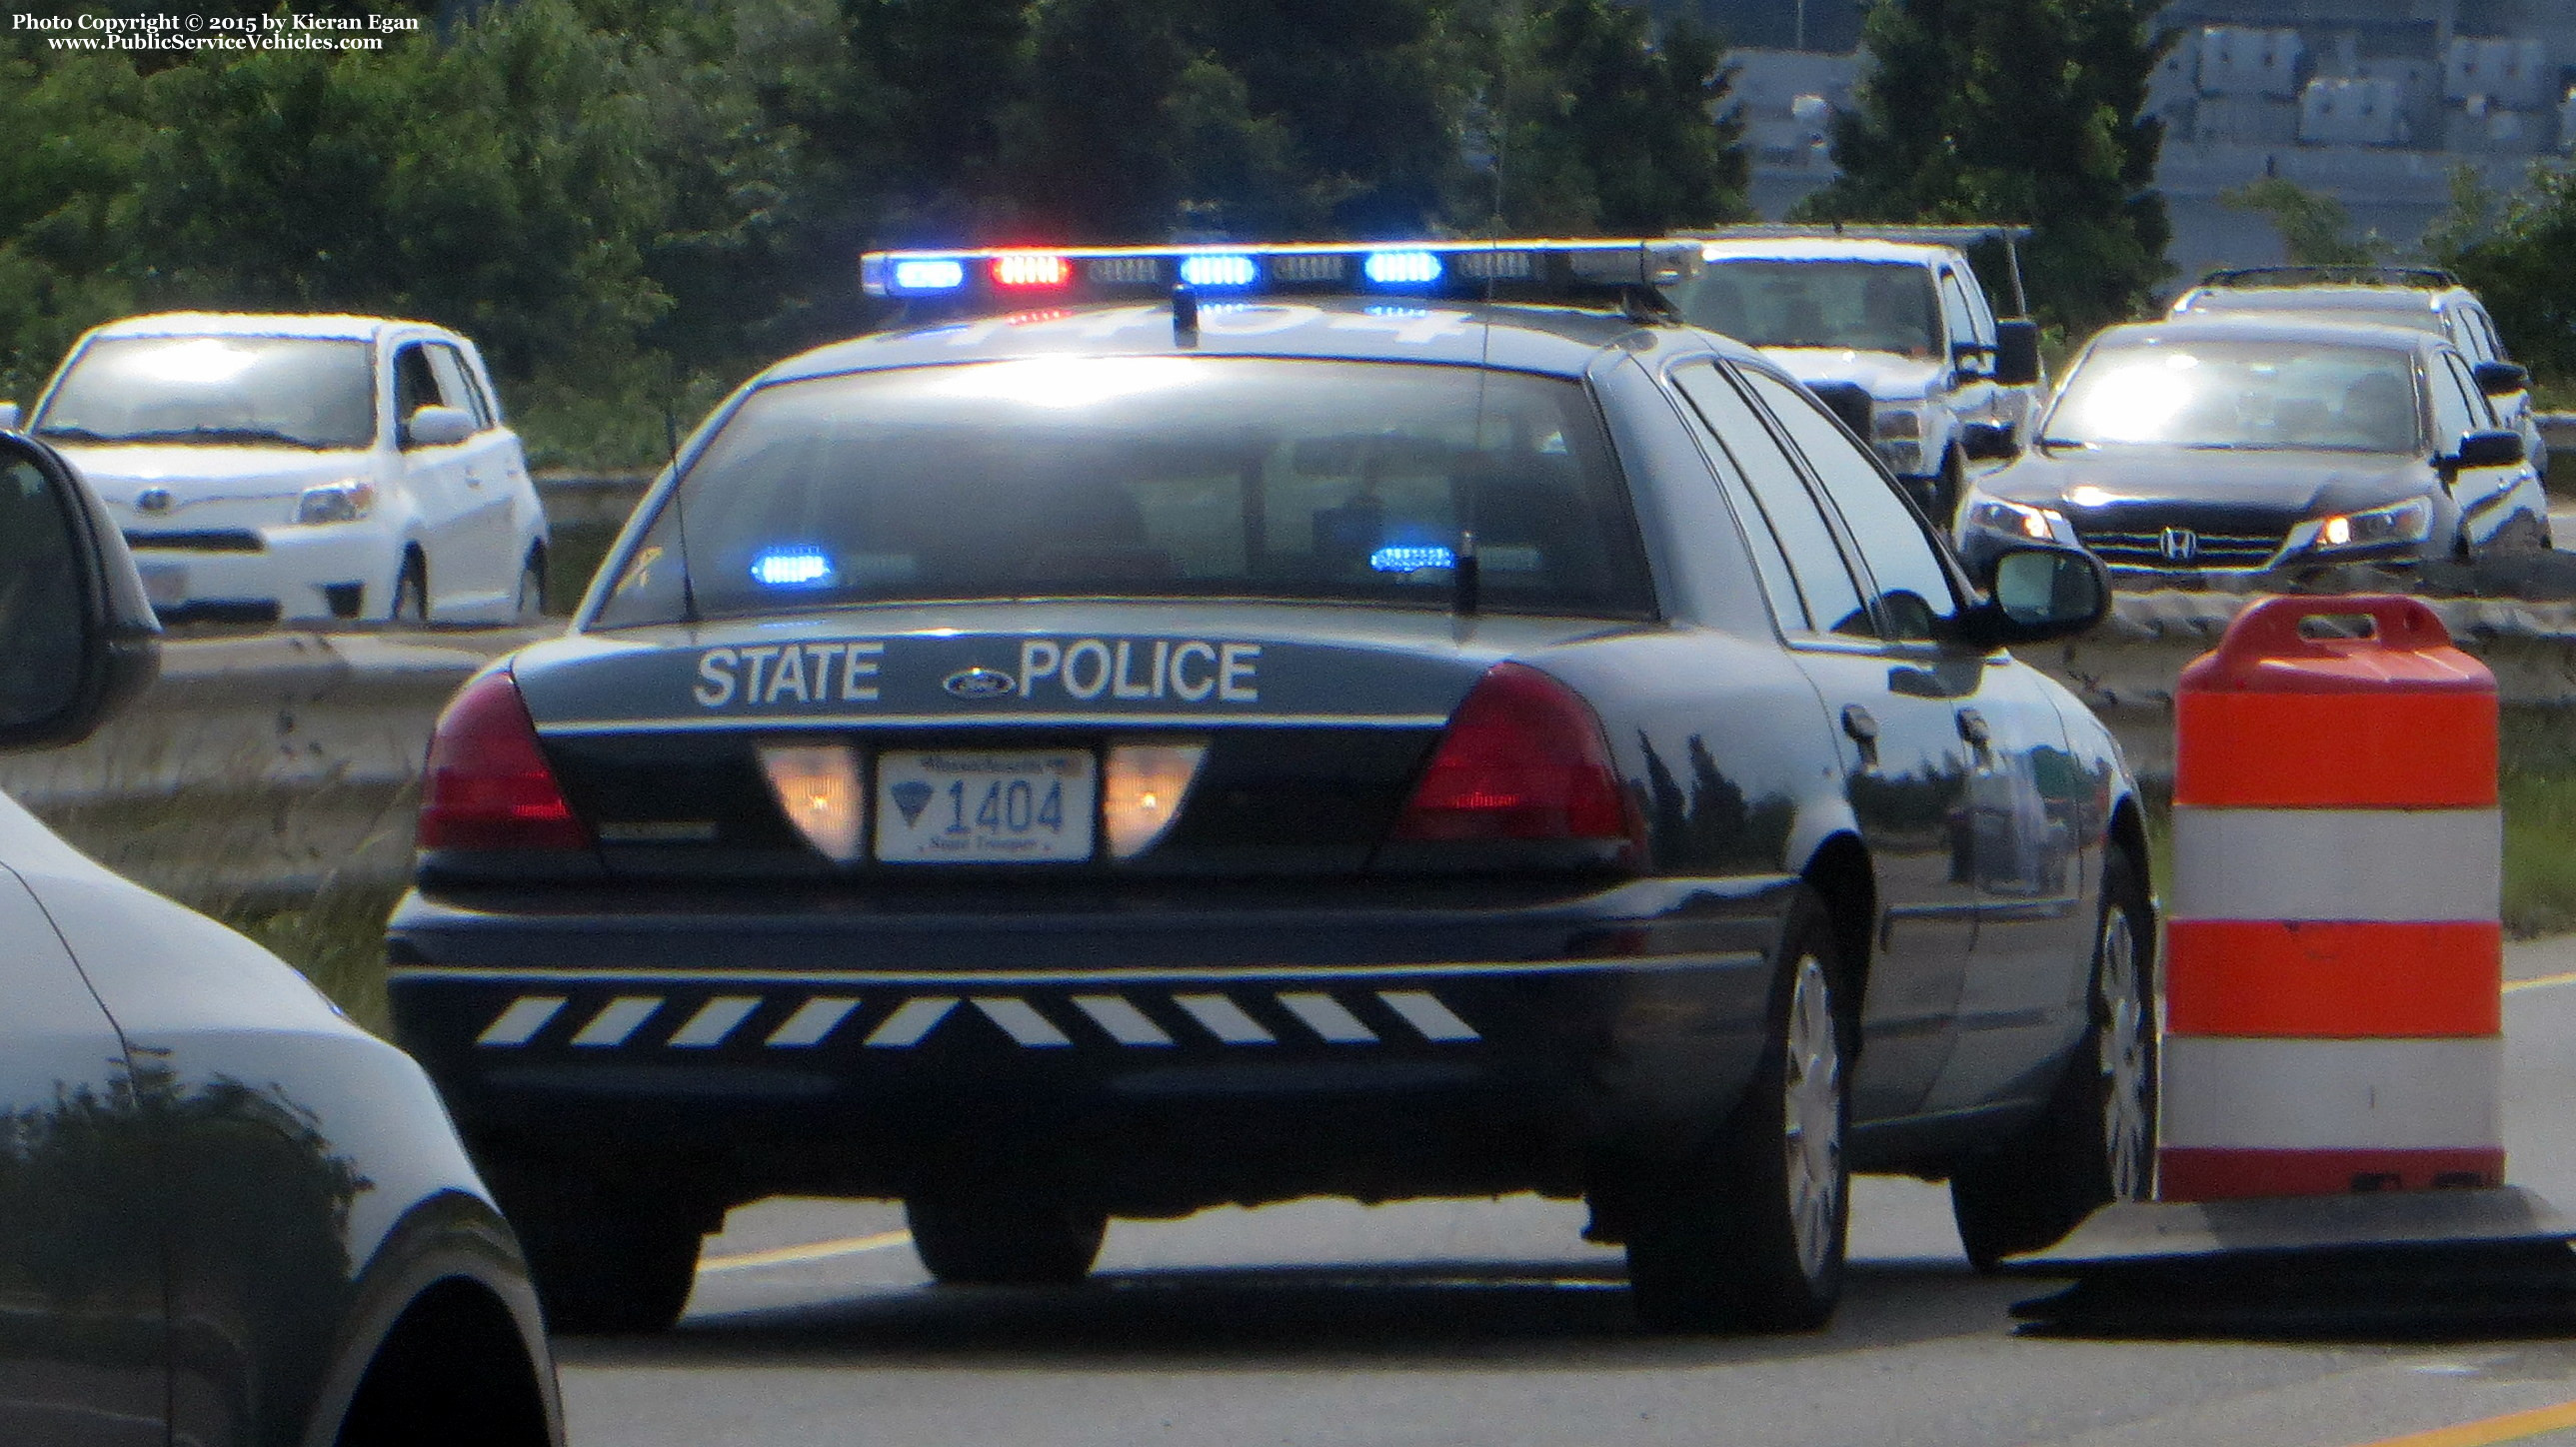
(1467, 573)
(1185, 316)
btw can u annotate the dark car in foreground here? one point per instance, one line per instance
(1199, 726)
(2232, 450)
(228, 1216)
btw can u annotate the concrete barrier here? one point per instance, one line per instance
(270, 763)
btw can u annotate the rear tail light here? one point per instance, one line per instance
(1523, 758)
(488, 785)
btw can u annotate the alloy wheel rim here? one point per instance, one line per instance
(1812, 1114)
(2126, 1079)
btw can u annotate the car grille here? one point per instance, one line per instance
(204, 540)
(2146, 549)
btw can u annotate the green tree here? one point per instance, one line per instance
(2514, 251)
(2315, 229)
(2015, 110)
(1608, 127)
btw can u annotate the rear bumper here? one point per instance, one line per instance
(1165, 1059)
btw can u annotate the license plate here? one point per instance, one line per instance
(164, 584)
(984, 807)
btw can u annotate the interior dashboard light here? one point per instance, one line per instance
(793, 568)
(339, 502)
(1031, 268)
(1218, 270)
(817, 788)
(1401, 268)
(1142, 788)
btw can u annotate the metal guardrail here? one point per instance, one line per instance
(267, 765)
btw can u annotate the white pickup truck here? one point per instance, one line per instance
(1893, 313)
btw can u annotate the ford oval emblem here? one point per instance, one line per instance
(152, 499)
(980, 683)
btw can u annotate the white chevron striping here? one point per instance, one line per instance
(1021, 1020)
(714, 1021)
(1328, 1017)
(1423, 1011)
(519, 1024)
(1123, 1021)
(918, 1017)
(1225, 1020)
(813, 1020)
(618, 1020)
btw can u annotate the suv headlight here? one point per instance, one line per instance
(339, 502)
(2042, 524)
(2406, 522)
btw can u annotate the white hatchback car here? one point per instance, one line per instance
(282, 467)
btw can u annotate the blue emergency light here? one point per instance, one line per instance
(1519, 269)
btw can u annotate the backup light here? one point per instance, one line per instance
(793, 568)
(1031, 269)
(1401, 268)
(1141, 791)
(817, 788)
(938, 274)
(1218, 270)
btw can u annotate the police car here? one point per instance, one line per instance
(1180, 726)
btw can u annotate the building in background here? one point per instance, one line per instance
(2372, 102)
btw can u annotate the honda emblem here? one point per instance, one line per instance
(2180, 545)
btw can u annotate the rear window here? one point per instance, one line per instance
(1146, 477)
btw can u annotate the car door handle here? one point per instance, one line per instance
(1972, 727)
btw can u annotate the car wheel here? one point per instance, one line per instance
(1751, 1235)
(606, 1271)
(2096, 1143)
(970, 1239)
(532, 587)
(411, 593)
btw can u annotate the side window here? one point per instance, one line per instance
(1956, 318)
(1780, 496)
(2452, 414)
(2481, 412)
(415, 385)
(456, 386)
(1914, 593)
(2487, 332)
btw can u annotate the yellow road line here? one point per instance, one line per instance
(2512, 1427)
(814, 1251)
(2536, 981)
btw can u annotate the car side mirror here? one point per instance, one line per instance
(2038, 591)
(437, 426)
(2017, 352)
(1849, 401)
(1988, 442)
(2486, 449)
(8, 417)
(82, 638)
(2501, 379)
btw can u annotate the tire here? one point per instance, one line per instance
(604, 1270)
(532, 587)
(966, 1239)
(1750, 1236)
(410, 606)
(2096, 1142)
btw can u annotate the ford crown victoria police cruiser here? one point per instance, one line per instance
(1171, 727)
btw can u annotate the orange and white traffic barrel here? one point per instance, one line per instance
(2334, 981)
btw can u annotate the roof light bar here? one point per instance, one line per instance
(1526, 269)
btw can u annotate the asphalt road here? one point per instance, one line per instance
(1492, 1323)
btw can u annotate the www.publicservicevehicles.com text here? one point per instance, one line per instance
(213, 32)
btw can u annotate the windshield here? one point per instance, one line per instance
(2240, 394)
(1865, 306)
(296, 391)
(1155, 477)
